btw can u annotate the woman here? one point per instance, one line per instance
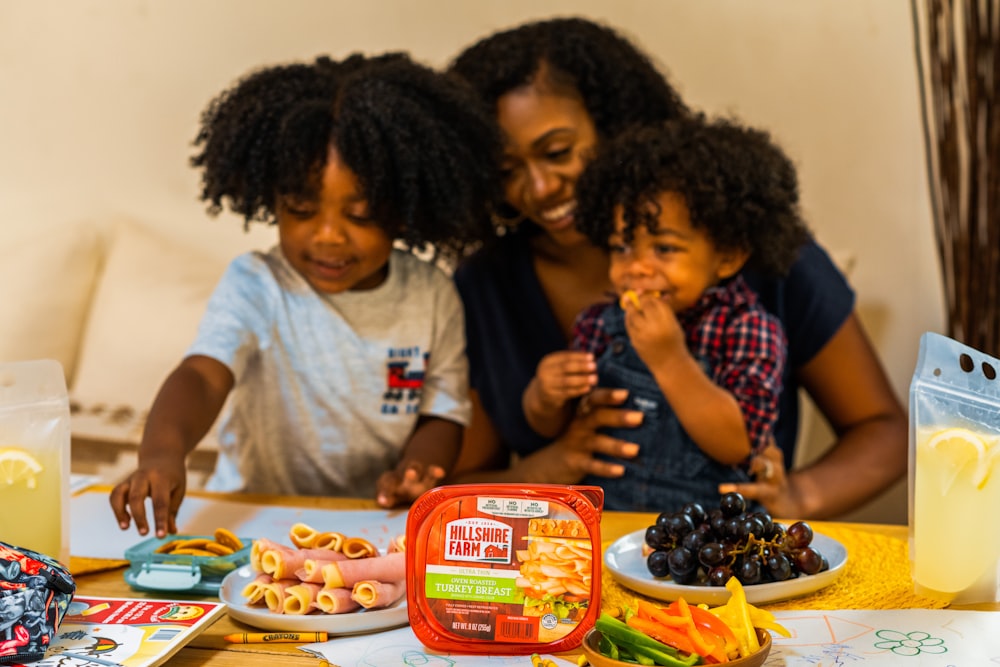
(558, 87)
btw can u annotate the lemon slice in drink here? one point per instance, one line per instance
(963, 447)
(16, 465)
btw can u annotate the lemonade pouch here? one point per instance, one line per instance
(34, 457)
(954, 484)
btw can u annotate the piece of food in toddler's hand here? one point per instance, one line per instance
(627, 296)
(630, 295)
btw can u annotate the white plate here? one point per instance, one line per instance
(627, 565)
(364, 620)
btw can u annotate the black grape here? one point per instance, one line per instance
(657, 565)
(708, 545)
(807, 560)
(799, 534)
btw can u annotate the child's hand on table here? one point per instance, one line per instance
(407, 482)
(164, 483)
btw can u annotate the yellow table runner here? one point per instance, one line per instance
(876, 576)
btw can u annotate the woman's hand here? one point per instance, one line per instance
(570, 458)
(772, 487)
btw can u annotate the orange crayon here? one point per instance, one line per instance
(276, 637)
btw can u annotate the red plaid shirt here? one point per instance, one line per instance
(744, 347)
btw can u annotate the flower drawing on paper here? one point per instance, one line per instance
(909, 643)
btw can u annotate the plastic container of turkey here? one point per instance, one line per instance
(504, 568)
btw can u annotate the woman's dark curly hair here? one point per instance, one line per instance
(618, 84)
(737, 184)
(418, 142)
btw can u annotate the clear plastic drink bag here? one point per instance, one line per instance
(954, 472)
(35, 457)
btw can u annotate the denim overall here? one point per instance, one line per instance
(670, 469)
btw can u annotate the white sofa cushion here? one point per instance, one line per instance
(145, 314)
(47, 277)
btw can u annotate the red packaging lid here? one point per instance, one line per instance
(504, 568)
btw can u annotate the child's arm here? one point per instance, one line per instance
(185, 408)
(427, 458)
(709, 413)
(560, 377)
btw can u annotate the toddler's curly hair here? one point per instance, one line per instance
(424, 151)
(737, 184)
(618, 84)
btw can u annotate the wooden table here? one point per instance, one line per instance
(210, 649)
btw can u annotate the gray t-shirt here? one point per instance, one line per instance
(328, 387)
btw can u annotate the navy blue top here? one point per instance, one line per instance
(510, 327)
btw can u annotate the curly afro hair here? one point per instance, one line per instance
(737, 184)
(418, 141)
(618, 84)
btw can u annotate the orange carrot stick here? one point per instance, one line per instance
(663, 633)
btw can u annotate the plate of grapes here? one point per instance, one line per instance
(693, 552)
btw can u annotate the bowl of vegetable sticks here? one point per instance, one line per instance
(598, 658)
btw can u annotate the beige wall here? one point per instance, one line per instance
(99, 101)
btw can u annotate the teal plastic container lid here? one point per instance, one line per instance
(181, 573)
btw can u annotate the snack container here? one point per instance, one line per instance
(152, 571)
(504, 568)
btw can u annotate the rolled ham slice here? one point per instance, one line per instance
(275, 592)
(283, 563)
(312, 569)
(259, 547)
(301, 598)
(303, 535)
(377, 594)
(358, 547)
(398, 543)
(333, 541)
(335, 601)
(254, 591)
(345, 573)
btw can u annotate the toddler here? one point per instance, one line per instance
(682, 208)
(341, 354)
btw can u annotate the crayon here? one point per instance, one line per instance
(275, 637)
(97, 608)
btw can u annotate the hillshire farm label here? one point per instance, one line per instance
(478, 540)
(503, 568)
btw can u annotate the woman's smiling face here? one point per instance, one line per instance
(549, 136)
